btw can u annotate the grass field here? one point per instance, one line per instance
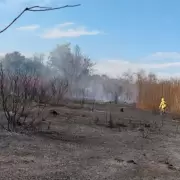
(85, 145)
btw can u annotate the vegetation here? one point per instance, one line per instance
(68, 74)
(152, 89)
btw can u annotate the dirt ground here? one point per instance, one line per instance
(80, 145)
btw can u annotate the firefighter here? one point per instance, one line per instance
(162, 105)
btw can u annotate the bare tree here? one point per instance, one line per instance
(14, 89)
(113, 87)
(59, 88)
(71, 65)
(16, 93)
(130, 91)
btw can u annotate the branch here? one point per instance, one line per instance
(50, 8)
(36, 9)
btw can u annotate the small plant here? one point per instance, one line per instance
(49, 126)
(155, 111)
(110, 122)
(177, 127)
(162, 118)
(144, 132)
(96, 121)
(93, 105)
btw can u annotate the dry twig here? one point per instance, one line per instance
(36, 9)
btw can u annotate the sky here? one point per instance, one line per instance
(118, 35)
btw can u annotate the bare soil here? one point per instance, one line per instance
(80, 145)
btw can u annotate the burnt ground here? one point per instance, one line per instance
(80, 145)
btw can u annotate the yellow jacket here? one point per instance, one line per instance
(162, 105)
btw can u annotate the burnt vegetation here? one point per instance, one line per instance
(63, 102)
(61, 118)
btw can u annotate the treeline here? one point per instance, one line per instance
(34, 82)
(70, 74)
(67, 64)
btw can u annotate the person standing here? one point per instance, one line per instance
(162, 106)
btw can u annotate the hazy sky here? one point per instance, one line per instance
(117, 34)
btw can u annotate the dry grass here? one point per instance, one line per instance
(151, 92)
(79, 147)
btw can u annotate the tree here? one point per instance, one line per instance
(13, 61)
(59, 88)
(71, 65)
(35, 65)
(14, 92)
(152, 77)
(16, 61)
(113, 87)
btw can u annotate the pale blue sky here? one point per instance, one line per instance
(117, 34)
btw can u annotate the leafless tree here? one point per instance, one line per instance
(71, 65)
(16, 94)
(113, 87)
(59, 88)
(83, 96)
(14, 88)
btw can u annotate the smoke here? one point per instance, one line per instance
(77, 69)
(105, 89)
